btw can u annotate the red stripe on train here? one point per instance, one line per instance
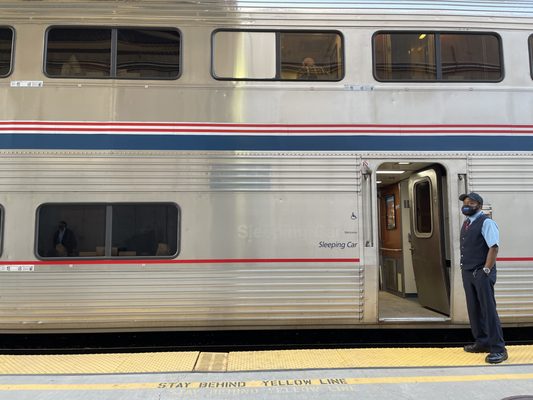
(212, 261)
(198, 261)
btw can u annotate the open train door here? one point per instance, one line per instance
(427, 240)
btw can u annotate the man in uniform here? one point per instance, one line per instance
(479, 247)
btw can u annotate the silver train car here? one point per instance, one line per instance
(259, 164)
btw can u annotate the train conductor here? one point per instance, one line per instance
(479, 247)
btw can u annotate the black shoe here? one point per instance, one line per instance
(476, 348)
(496, 358)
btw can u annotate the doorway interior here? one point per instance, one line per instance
(414, 245)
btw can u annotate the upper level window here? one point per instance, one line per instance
(433, 56)
(531, 54)
(6, 51)
(113, 53)
(282, 55)
(108, 230)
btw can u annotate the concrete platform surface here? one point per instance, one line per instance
(434, 383)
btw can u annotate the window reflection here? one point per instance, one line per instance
(470, 57)
(405, 56)
(467, 57)
(87, 53)
(75, 52)
(67, 230)
(80, 230)
(286, 56)
(311, 56)
(145, 230)
(147, 54)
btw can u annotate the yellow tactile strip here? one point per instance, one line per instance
(97, 363)
(367, 358)
(250, 361)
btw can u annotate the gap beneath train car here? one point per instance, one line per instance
(244, 340)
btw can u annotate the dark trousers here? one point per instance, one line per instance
(481, 305)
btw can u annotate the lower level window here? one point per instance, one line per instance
(108, 230)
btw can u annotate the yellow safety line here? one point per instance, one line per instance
(266, 383)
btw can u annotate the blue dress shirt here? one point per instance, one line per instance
(489, 230)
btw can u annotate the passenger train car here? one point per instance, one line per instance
(259, 164)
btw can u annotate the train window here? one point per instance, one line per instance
(311, 56)
(405, 56)
(71, 230)
(470, 57)
(145, 230)
(6, 51)
(531, 54)
(423, 56)
(78, 52)
(282, 55)
(148, 53)
(107, 230)
(422, 192)
(113, 53)
(244, 55)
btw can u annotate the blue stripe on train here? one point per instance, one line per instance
(241, 142)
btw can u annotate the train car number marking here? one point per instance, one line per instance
(17, 268)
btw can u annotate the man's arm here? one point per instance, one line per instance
(491, 257)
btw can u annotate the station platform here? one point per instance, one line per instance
(385, 373)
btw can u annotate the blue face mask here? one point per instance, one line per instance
(468, 210)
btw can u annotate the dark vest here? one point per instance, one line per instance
(474, 249)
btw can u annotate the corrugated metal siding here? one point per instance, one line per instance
(514, 292)
(177, 172)
(499, 178)
(169, 296)
(501, 173)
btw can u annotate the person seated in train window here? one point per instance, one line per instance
(65, 242)
(72, 67)
(309, 71)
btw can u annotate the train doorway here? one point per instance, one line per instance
(414, 250)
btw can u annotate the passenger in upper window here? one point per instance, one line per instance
(65, 242)
(72, 67)
(309, 70)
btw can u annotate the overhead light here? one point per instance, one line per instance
(395, 172)
(422, 36)
(404, 163)
(378, 182)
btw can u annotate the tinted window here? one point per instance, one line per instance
(74, 52)
(6, 51)
(470, 57)
(311, 56)
(148, 54)
(403, 56)
(423, 207)
(107, 230)
(113, 53)
(531, 54)
(68, 230)
(249, 55)
(145, 230)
